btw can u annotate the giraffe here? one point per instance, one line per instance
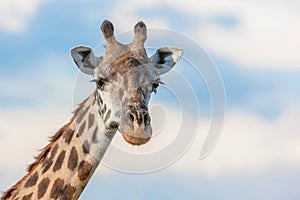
(125, 77)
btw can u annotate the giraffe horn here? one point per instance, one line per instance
(107, 29)
(140, 34)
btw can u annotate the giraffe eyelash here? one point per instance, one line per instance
(97, 80)
(159, 82)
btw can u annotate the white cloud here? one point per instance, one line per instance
(267, 34)
(125, 14)
(25, 131)
(249, 144)
(15, 14)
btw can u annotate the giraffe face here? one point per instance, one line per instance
(126, 93)
(125, 78)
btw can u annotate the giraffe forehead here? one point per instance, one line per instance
(135, 75)
(129, 65)
(138, 78)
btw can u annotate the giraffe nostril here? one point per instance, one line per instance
(131, 117)
(146, 119)
(139, 116)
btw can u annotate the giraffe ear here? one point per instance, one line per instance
(165, 58)
(85, 59)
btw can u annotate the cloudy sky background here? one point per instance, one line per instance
(254, 44)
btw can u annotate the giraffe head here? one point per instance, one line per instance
(125, 78)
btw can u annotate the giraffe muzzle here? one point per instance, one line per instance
(138, 117)
(136, 128)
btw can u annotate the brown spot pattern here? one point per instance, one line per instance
(27, 197)
(54, 151)
(42, 188)
(32, 180)
(81, 129)
(59, 161)
(81, 115)
(103, 109)
(73, 159)
(49, 161)
(99, 111)
(86, 147)
(68, 135)
(84, 170)
(68, 192)
(47, 164)
(91, 120)
(57, 189)
(95, 136)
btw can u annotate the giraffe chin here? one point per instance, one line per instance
(137, 137)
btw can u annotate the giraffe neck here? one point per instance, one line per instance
(66, 164)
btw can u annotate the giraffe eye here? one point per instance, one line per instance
(101, 83)
(154, 87)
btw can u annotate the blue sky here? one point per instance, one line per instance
(255, 46)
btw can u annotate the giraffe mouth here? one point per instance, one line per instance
(136, 135)
(136, 140)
